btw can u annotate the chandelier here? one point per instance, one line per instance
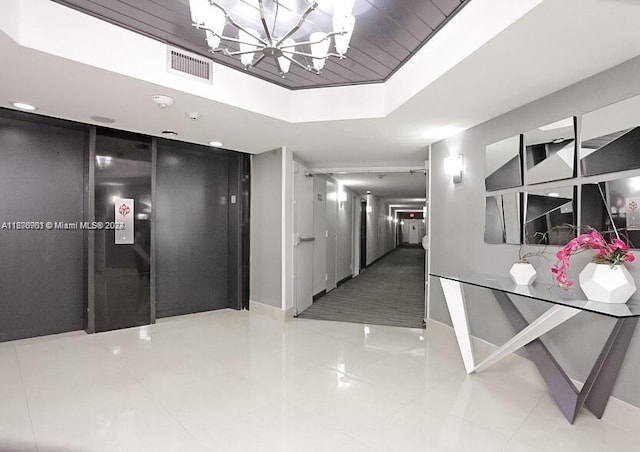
(254, 46)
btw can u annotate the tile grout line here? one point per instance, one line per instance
(26, 397)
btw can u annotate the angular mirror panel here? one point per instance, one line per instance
(502, 164)
(550, 152)
(502, 219)
(610, 138)
(610, 203)
(548, 216)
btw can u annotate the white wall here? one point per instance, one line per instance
(457, 229)
(380, 231)
(266, 224)
(319, 231)
(345, 231)
(345, 236)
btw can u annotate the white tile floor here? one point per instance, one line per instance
(233, 381)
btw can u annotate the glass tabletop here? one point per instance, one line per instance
(548, 293)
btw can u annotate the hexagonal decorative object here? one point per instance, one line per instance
(523, 273)
(607, 283)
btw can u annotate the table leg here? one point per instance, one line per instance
(597, 389)
(454, 297)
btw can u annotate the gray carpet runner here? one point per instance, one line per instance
(389, 292)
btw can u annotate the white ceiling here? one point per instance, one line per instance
(552, 46)
(398, 187)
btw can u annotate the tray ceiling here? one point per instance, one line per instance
(386, 35)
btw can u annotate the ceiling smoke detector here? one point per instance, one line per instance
(163, 101)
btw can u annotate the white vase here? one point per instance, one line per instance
(607, 283)
(523, 273)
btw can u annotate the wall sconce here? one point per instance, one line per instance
(453, 167)
(395, 220)
(369, 209)
(389, 218)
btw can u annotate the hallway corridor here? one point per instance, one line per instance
(389, 292)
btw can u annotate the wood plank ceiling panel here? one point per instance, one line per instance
(386, 35)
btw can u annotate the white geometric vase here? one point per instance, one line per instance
(607, 283)
(523, 273)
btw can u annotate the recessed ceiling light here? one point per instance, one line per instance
(558, 140)
(169, 133)
(368, 192)
(103, 119)
(215, 144)
(24, 106)
(553, 194)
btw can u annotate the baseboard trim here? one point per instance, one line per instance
(269, 311)
(384, 255)
(344, 280)
(319, 295)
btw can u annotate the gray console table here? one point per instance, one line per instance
(563, 305)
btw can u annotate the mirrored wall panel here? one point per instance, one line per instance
(502, 164)
(550, 152)
(611, 138)
(503, 219)
(548, 214)
(613, 203)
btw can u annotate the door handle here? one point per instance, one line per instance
(300, 239)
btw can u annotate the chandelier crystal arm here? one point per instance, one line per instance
(259, 45)
(306, 68)
(228, 52)
(309, 55)
(297, 26)
(263, 19)
(236, 24)
(258, 61)
(317, 41)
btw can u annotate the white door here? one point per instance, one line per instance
(303, 239)
(415, 231)
(332, 234)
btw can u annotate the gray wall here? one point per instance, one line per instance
(266, 228)
(457, 222)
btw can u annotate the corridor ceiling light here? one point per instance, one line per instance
(24, 106)
(252, 46)
(215, 144)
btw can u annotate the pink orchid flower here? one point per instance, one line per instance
(614, 253)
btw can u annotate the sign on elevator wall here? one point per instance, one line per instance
(124, 216)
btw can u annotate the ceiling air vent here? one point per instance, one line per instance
(188, 64)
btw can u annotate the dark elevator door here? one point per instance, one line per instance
(122, 271)
(192, 241)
